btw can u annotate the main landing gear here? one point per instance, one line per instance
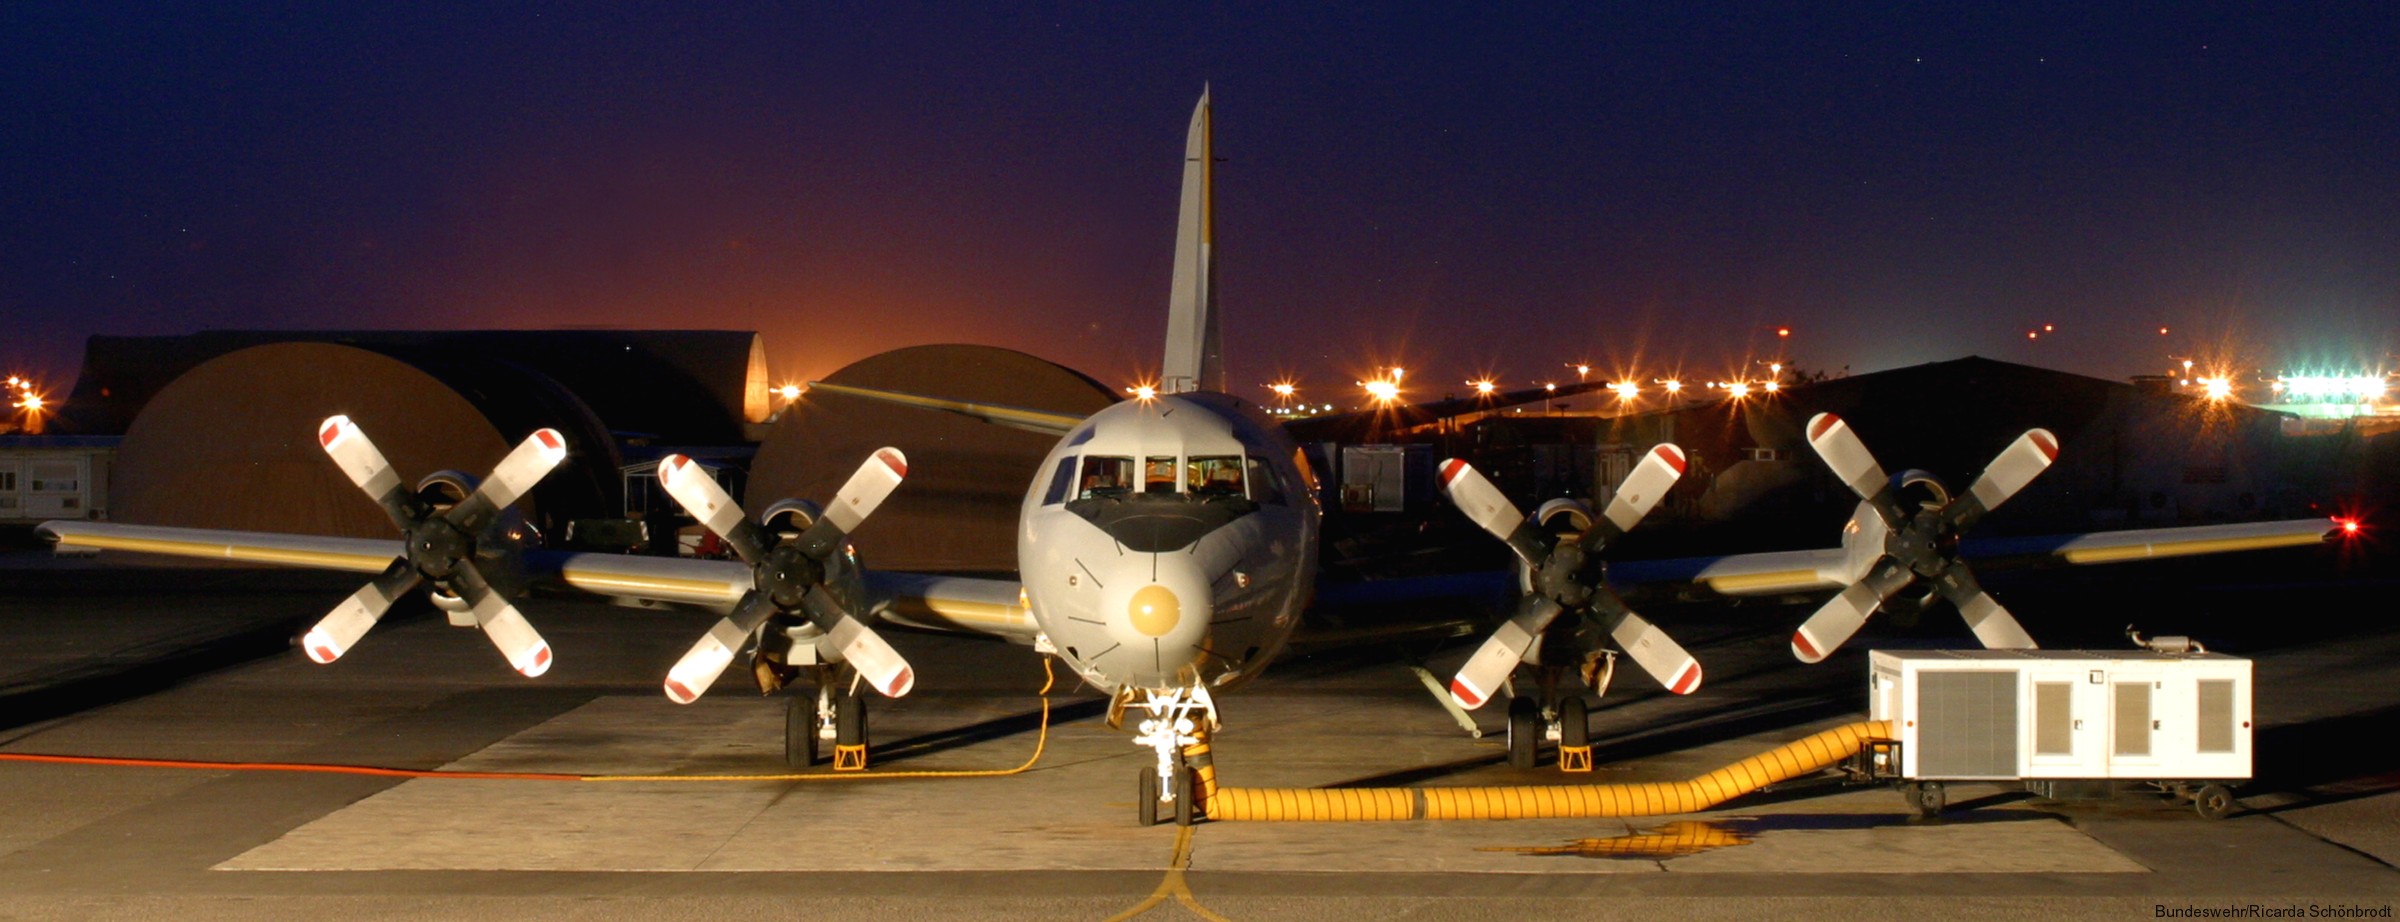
(837, 716)
(1565, 720)
(1177, 729)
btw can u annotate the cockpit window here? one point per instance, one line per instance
(1106, 477)
(1218, 476)
(1061, 481)
(1264, 488)
(1158, 474)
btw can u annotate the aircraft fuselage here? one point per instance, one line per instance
(1170, 542)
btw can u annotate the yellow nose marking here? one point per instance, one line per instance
(1154, 610)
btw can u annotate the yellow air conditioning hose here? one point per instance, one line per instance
(1783, 763)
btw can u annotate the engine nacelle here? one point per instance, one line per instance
(791, 515)
(1564, 515)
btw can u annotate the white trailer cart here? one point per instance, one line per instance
(2062, 722)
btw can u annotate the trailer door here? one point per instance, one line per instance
(2133, 724)
(2066, 723)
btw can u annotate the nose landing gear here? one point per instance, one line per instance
(1177, 730)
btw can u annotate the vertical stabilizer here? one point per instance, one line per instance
(1195, 359)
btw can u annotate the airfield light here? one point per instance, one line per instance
(31, 401)
(2048, 328)
(2216, 388)
(1484, 387)
(1283, 389)
(1626, 390)
(1398, 371)
(1737, 389)
(1550, 387)
(1784, 332)
(1143, 391)
(1772, 387)
(1775, 368)
(2162, 331)
(1581, 370)
(789, 392)
(2187, 365)
(1383, 391)
(2033, 334)
(1673, 386)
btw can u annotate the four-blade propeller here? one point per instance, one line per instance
(441, 545)
(1566, 577)
(1895, 546)
(811, 576)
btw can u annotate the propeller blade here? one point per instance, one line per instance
(1488, 507)
(1501, 653)
(866, 489)
(1992, 624)
(700, 495)
(1842, 615)
(2016, 466)
(1850, 461)
(699, 668)
(349, 621)
(851, 640)
(516, 474)
(1643, 488)
(1651, 648)
(358, 457)
(502, 623)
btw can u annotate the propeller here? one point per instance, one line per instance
(810, 576)
(1566, 577)
(441, 546)
(1891, 547)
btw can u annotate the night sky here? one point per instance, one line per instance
(1460, 191)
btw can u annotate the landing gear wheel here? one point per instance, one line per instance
(849, 718)
(800, 732)
(1926, 797)
(1524, 731)
(1574, 722)
(1145, 798)
(2213, 801)
(1183, 796)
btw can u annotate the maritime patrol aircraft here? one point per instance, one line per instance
(1167, 547)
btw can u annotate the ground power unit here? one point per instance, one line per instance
(2064, 723)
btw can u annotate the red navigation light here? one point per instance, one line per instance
(2349, 527)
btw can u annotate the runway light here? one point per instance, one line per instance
(1626, 390)
(1737, 389)
(1484, 387)
(1283, 389)
(1673, 386)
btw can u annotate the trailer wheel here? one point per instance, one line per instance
(1926, 797)
(2213, 801)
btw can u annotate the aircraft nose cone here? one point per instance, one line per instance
(1154, 610)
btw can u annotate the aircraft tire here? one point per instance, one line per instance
(1183, 796)
(1524, 731)
(1145, 797)
(1574, 722)
(800, 732)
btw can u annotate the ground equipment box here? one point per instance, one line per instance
(2056, 718)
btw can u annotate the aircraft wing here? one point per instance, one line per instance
(1043, 421)
(941, 603)
(1780, 572)
(355, 555)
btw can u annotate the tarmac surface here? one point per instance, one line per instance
(103, 660)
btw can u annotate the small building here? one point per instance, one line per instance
(46, 477)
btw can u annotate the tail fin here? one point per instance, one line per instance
(1195, 359)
